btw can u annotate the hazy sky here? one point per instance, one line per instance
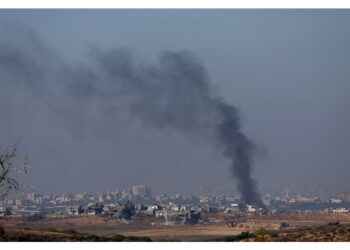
(286, 70)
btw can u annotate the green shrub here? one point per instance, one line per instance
(118, 237)
(2, 231)
(261, 234)
(70, 231)
(138, 238)
(337, 223)
(242, 236)
(273, 234)
(30, 237)
(51, 229)
(92, 237)
(284, 225)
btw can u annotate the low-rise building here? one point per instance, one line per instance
(94, 208)
(4, 211)
(75, 210)
(112, 210)
(340, 211)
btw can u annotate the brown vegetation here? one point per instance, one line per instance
(286, 227)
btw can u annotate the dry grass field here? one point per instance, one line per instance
(152, 228)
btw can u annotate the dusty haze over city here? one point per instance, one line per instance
(287, 72)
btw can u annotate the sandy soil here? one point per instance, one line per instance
(142, 227)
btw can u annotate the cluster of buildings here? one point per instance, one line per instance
(174, 208)
(139, 192)
(173, 214)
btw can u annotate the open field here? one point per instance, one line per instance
(152, 228)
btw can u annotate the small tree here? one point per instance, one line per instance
(128, 210)
(284, 225)
(11, 162)
(261, 234)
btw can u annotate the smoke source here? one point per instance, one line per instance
(175, 93)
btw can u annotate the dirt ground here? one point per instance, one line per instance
(202, 232)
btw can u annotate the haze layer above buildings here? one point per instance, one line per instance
(285, 70)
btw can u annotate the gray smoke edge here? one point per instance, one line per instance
(175, 93)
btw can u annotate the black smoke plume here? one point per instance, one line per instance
(175, 93)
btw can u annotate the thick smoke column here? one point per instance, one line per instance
(178, 94)
(173, 94)
(240, 150)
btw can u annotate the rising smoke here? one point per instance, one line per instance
(175, 93)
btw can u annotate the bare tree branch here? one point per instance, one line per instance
(11, 163)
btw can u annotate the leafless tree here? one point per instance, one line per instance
(11, 163)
